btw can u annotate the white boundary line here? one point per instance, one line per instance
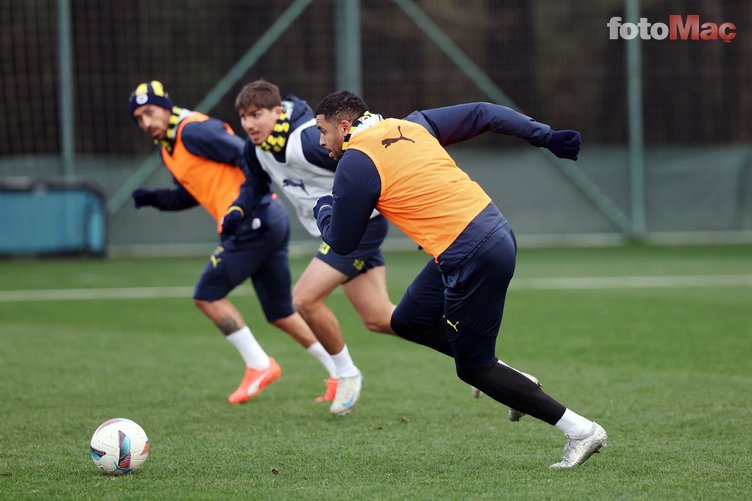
(563, 283)
(633, 282)
(91, 294)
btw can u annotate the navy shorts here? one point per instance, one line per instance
(262, 256)
(471, 298)
(368, 254)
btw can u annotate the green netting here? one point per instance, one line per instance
(553, 59)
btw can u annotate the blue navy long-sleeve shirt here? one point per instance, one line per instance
(357, 184)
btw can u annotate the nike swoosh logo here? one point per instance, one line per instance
(255, 386)
(349, 403)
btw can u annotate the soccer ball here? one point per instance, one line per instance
(119, 446)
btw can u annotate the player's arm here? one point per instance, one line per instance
(210, 139)
(164, 199)
(453, 124)
(255, 193)
(257, 185)
(343, 217)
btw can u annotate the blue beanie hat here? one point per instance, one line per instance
(149, 93)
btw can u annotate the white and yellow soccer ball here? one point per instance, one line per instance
(119, 446)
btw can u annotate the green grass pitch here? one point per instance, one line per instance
(662, 361)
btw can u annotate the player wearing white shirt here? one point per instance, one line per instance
(283, 148)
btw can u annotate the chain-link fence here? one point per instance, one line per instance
(553, 60)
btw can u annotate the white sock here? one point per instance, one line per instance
(251, 351)
(344, 364)
(573, 425)
(318, 351)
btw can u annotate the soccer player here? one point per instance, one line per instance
(283, 147)
(206, 160)
(455, 304)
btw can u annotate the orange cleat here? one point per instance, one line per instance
(254, 381)
(331, 390)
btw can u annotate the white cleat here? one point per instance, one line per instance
(578, 450)
(475, 392)
(515, 415)
(348, 392)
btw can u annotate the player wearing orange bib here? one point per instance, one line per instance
(206, 160)
(455, 304)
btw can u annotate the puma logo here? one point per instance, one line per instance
(214, 258)
(453, 325)
(391, 140)
(295, 183)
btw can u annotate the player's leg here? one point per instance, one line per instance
(475, 296)
(323, 274)
(227, 267)
(366, 287)
(419, 316)
(295, 326)
(329, 270)
(309, 295)
(222, 312)
(316, 284)
(368, 294)
(272, 283)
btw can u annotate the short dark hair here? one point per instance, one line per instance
(343, 105)
(258, 94)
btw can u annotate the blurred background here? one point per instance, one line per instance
(666, 125)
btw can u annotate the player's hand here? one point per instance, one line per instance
(325, 201)
(232, 220)
(143, 197)
(565, 143)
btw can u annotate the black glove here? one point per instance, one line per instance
(144, 198)
(232, 220)
(326, 200)
(565, 143)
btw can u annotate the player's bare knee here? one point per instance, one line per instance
(378, 324)
(372, 325)
(202, 304)
(304, 304)
(299, 303)
(283, 322)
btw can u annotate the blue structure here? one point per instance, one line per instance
(48, 218)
